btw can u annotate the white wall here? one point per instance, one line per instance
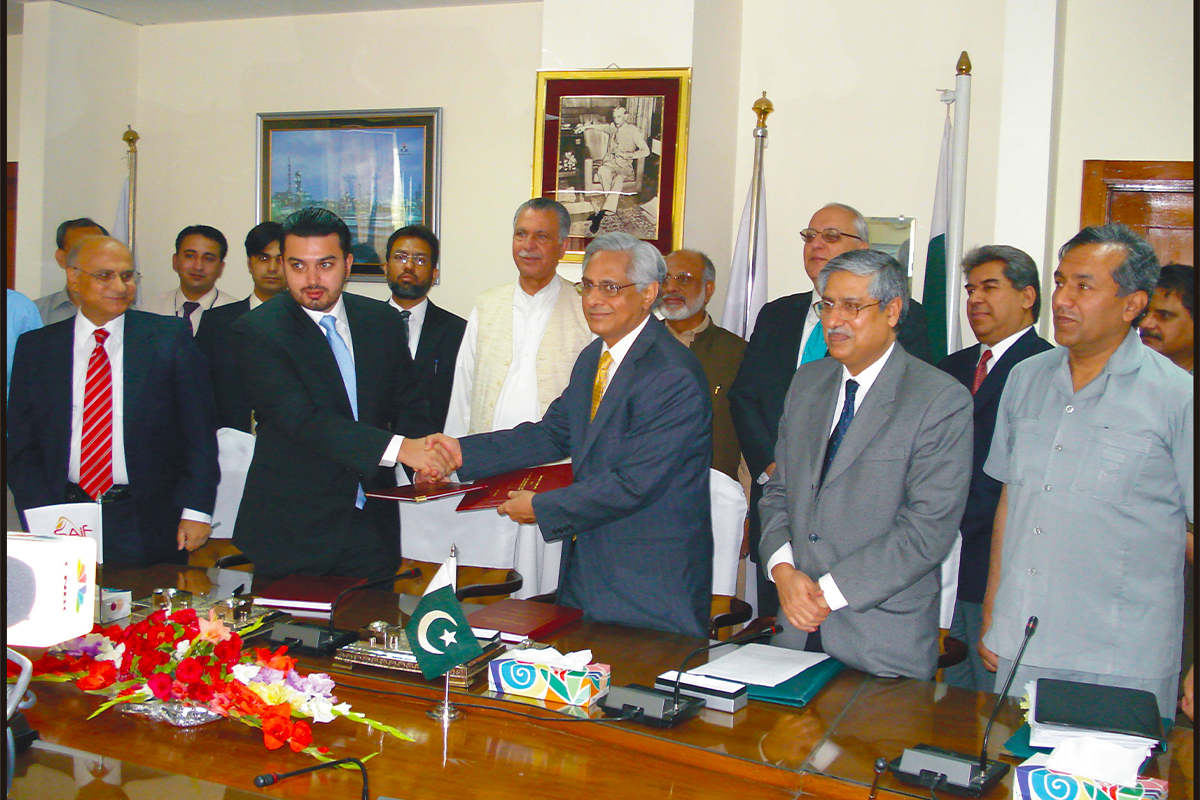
(12, 95)
(200, 86)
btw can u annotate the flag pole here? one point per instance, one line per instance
(762, 108)
(958, 199)
(130, 137)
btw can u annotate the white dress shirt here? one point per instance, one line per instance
(416, 321)
(1000, 348)
(340, 324)
(114, 346)
(618, 352)
(865, 380)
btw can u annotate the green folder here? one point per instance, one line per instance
(801, 688)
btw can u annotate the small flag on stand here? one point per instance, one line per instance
(438, 631)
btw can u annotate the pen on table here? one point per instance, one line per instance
(435, 366)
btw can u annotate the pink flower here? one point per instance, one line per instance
(213, 629)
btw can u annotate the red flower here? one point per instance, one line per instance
(160, 635)
(160, 685)
(200, 691)
(151, 661)
(301, 735)
(185, 617)
(128, 690)
(230, 650)
(276, 730)
(157, 618)
(101, 674)
(245, 700)
(277, 660)
(189, 670)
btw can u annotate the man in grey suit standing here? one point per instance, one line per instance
(873, 466)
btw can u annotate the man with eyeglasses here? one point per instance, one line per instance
(116, 406)
(199, 261)
(682, 304)
(434, 334)
(787, 334)
(636, 422)
(214, 338)
(873, 467)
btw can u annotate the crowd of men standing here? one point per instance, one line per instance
(1067, 471)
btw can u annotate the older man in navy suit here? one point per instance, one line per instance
(1003, 301)
(636, 421)
(116, 406)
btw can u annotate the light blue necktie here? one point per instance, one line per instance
(345, 362)
(814, 348)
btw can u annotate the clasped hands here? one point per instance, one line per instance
(800, 598)
(437, 455)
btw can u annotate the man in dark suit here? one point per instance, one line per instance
(1003, 301)
(116, 406)
(691, 280)
(214, 338)
(434, 334)
(335, 398)
(874, 454)
(637, 423)
(786, 334)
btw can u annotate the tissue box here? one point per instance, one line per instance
(1040, 783)
(577, 687)
(114, 604)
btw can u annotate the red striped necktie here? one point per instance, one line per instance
(981, 370)
(95, 461)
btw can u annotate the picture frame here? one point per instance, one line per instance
(377, 170)
(613, 144)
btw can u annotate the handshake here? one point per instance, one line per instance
(433, 457)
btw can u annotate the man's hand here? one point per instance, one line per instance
(770, 470)
(447, 446)
(192, 535)
(430, 463)
(518, 507)
(1187, 703)
(991, 661)
(800, 597)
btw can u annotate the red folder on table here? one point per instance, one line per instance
(492, 492)
(524, 617)
(305, 592)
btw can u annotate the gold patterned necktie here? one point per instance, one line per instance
(601, 380)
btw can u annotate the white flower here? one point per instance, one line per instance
(245, 672)
(108, 652)
(341, 709)
(181, 648)
(319, 708)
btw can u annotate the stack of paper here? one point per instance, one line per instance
(1066, 709)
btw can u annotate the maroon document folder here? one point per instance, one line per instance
(490, 493)
(420, 492)
(524, 617)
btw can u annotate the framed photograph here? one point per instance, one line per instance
(611, 146)
(377, 170)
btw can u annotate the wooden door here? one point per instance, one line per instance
(1153, 198)
(10, 231)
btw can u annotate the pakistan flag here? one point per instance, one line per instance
(438, 632)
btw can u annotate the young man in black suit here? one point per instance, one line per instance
(213, 338)
(115, 406)
(1003, 301)
(336, 401)
(434, 334)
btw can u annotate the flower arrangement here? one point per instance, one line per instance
(186, 670)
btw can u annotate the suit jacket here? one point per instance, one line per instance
(720, 353)
(984, 495)
(310, 454)
(169, 429)
(437, 352)
(638, 511)
(215, 341)
(885, 517)
(757, 396)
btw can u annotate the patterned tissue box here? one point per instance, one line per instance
(577, 687)
(1040, 783)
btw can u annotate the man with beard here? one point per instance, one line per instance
(691, 279)
(434, 334)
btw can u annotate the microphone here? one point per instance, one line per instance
(272, 778)
(660, 708)
(321, 640)
(880, 768)
(935, 767)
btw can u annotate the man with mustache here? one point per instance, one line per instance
(1168, 326)
(516, 357)
(1093, 444)
(873, 464)
(199, 261)
(434, 334)
(691, 279)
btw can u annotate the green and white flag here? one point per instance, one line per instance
(438, 631)
(934, 296)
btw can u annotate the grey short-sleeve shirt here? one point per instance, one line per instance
(1099, 493)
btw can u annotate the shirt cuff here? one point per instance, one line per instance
(833, 595)
(195, 516)
(782, 555)
(761, 480)
(392, 454)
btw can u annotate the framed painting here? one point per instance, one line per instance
(611, 146)
(377, 170)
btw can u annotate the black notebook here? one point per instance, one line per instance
(1074, 706)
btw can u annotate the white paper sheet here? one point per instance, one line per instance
(760, 664)
(69, 519)
(235, 451)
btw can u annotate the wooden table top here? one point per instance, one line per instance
(763, 751)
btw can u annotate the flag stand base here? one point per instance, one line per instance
(445, 712)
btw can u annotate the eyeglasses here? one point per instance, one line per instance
(416, 259)
(106, 276)
(831, 235)
(606, 289)
(845, 310)
(682, 279)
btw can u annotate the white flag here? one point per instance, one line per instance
(120, 228)
(741, 283)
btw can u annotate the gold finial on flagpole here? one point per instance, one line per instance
(130, 137)
(963, 66)
(762, 107)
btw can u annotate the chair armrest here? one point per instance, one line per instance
(512, 582)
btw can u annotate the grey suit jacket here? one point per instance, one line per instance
(887, 513)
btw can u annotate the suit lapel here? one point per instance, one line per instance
(993, 384)
(313, 351)
(431, 334)
(58, 390)
(369, 366)
(794, 333)
(134, 372)
(827, 390)
(873, 411)
(618, 384)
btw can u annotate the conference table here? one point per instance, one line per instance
(506, 748)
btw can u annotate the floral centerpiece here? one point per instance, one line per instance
(187, 670)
